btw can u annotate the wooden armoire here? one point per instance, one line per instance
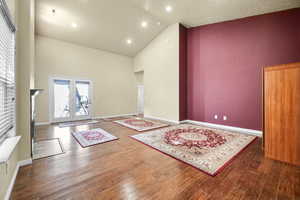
(281, 110)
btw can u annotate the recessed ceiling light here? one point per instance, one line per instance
(74, 25)
(158, 23)
(169, 8)
(144, 24)
(129, 41)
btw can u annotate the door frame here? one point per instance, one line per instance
(138, 99)
(72, 117)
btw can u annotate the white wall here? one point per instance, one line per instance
(112, 76)
(24, 72)
(139, 77)
(160, 62)
(22, 12)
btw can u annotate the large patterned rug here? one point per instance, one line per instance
(206, 149)
(93, 137)
(140, 124)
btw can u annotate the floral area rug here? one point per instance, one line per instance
(140, 124)
(206, 149)
(93, 137)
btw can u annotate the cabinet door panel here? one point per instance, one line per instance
(282, 113)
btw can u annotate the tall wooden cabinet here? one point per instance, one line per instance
(281, 100)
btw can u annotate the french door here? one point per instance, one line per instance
(70, 99)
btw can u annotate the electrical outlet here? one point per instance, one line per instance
(216, 116)
(224, 117)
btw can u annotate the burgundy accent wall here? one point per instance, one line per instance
(182, 73)
(225, 61)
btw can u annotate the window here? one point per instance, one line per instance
(7, 72)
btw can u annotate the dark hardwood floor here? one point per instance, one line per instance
(126, 169)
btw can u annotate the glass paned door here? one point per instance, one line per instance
(61, 103)
(82, 99)
(70, 99)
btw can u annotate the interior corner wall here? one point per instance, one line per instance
(139, 77)
(182, 73)
(112, 75)
(24, 73)
(225, 62)
(160, 62)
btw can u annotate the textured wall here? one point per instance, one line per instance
(225, 61)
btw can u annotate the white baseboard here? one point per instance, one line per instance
(42, 123)
(94, 118)
(228, 128)
(111, 116)
(13, 179)
(162, 119)
(25, 162)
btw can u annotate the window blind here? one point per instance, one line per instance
(7, 72)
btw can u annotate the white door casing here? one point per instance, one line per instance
(140, 100)
(72, 100)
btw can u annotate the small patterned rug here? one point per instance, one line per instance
(78, 123)
(206, 149)
(93, 137)
(140, 124)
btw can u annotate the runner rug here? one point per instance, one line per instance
(79, 123)
(93, 137)
(206, 149)
(140, 124)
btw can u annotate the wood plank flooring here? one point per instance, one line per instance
(126, 169)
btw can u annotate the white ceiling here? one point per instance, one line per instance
(107, 24)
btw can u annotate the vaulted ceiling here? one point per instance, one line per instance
(127, 26)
